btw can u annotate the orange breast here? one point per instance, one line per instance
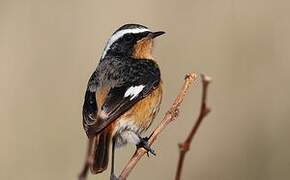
(141, 115)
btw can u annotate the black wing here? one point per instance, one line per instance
(90, 107)
(136, 80)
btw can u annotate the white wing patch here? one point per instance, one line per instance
(133, 91)
(121, 33)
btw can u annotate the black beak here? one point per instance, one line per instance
(156, 34)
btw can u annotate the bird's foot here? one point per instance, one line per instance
(113, 177)
(144, 144)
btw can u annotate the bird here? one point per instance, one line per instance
(122, 98)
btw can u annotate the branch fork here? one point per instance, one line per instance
(170, 116)
(204, 110)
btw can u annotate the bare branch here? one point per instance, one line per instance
(204, 110)
(171, 115)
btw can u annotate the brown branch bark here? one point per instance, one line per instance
(204, 110)
(171, 115)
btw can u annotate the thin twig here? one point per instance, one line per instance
(204, 110)
(171, 115)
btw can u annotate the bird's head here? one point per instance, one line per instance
(131, 40)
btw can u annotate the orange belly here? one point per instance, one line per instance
(140, 116)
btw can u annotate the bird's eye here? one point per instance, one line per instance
(128, 37)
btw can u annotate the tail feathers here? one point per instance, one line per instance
(101, 152)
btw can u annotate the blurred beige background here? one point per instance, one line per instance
(48, 49)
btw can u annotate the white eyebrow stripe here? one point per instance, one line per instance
(121, 33)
